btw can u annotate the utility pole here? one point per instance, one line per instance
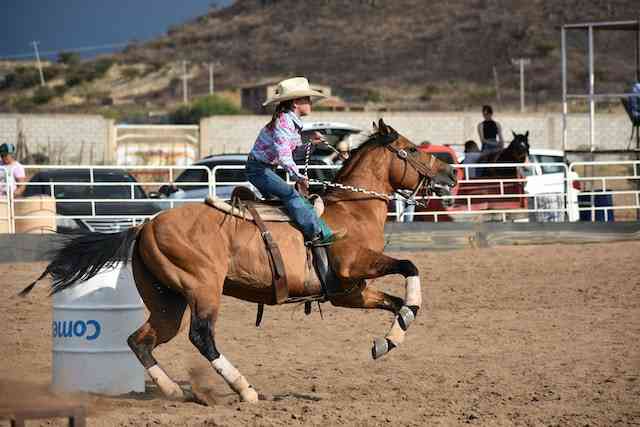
(185, 95)
(522, 62)
(35, 46)
(211, 78)
(497, 85)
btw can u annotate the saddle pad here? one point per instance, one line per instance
(268, 213)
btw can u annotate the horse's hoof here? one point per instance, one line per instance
(405, 317)
(249, 395)
(380, 348)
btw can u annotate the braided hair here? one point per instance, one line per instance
(282, 107)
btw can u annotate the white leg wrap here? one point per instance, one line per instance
(226, 369)
(396, 334)
(166, 384)
(234, 378)
(414, 293)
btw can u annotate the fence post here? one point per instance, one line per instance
(111, 146)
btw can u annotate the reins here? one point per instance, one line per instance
(423, 170)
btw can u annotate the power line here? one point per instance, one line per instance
(74, 49)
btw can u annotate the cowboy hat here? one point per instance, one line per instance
(296, 87)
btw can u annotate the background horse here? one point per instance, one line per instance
(192, 255)
(516, 152)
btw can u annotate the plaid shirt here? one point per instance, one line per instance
(275, 146)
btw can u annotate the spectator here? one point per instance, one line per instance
(490, 131)
(342, 154)
(634, 101)
(13, 167)
(471, 155)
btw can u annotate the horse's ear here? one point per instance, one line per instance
(526, 135)
(382, 127)
(514, 134)
(375, 126)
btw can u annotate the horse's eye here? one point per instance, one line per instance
(413, 149)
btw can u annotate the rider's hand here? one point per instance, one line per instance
(303, 186)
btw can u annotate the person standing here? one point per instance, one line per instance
(13, 168)
(490, 131)
(274, 147)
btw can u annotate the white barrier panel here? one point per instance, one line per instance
(91, 323)
(543, 192)
(6, 222)
(611, 190)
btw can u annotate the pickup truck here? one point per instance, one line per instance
(476, 196)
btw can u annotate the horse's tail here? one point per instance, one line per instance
(83, 256)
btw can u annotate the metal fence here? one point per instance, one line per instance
(110, 198)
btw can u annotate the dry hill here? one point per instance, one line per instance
(439, 54)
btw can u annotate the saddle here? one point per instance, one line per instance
(245, 205)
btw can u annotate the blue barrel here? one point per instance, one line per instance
(596, 201)
(91, 323)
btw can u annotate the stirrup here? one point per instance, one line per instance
(327, 241)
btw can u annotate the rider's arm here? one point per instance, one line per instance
(481, 132)
(284, 138)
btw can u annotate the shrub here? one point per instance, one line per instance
(42, 95)
(60, 90)
(69, 58)
(210, 105)
(22, 78)
(23, 104)
(101, 66)
(131, 73)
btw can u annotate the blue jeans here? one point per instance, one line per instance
(270, 184)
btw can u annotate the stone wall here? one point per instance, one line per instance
(64, 138)
(236, 134)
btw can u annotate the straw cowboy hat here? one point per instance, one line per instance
(296, 87)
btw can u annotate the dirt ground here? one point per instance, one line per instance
(519, 335)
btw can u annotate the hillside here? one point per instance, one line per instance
(403, 53)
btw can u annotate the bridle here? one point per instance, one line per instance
(410, 157)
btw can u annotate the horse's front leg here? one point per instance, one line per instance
(369, 265)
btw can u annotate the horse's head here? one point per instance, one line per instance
(519, 147)
(410, 168)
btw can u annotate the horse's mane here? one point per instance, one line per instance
(373, 141)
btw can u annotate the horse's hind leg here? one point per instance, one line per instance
(166, 309)
(204, 305)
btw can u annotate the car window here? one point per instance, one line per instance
(333, 136)
(539, 158)
(231, 172)
(115, 191)
(193, 175)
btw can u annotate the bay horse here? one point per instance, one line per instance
(192, 255)
(516, 152)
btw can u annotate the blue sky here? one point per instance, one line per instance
(65, 24)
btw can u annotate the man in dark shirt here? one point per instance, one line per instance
(490, 131)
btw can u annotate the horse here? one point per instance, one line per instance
(516, 152)
(192, 255)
